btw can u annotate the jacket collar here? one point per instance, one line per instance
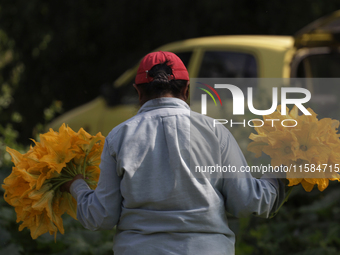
(163, 102)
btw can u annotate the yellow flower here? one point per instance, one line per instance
(312, 143)
(282, 146)
(60, 150)
(94, 157)
(57, 212)
(40, 224)
(37, 194)
(308, 118)
(45, 202)
(259, 142)
(309, 145)
(69, 205)
(15, 187)
(33, 186)
(16, 156)
(87, 142)
(92, 172)
(307, 185)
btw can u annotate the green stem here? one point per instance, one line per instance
(67, 170)
(90, 182)
(84, 166)
(73, 168)
(61, 183)
(284, 201)
(78, 169)
(62, 178)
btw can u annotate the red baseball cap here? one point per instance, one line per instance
(179, 72)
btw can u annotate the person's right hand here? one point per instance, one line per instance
(66, 186)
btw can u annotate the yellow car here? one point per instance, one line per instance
(313, 52)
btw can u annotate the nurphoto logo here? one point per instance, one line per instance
(238, 102)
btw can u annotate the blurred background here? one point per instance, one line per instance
(55, 55)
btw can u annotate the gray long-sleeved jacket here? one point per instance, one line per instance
(147, 189)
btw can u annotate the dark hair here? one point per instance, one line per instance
(161, 84)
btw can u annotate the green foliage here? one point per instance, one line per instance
(304, 225)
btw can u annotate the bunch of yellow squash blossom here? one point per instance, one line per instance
(309, 148)
(32, 188)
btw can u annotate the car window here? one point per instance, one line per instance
(323, 100)
(227, 64)
(185, 57)
(128, 93)
(320, 66)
